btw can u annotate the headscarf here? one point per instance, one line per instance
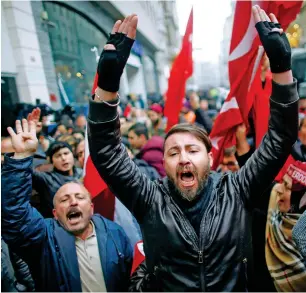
(297, 172)
(284, 260)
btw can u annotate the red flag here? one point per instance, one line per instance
(139, 256)
(127, 111)
(182, 69)
(244, 59)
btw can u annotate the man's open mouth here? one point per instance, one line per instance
(187, 178)
(74, 217)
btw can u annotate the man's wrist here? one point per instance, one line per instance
(19, 156)
(102, 95)
(242, 147)
(283, 78)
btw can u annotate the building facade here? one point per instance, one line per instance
(50, 49)
(225, 48)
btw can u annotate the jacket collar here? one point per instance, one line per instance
(164, 184)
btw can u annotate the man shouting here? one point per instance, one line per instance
(195, 222)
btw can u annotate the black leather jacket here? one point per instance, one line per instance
(218, 259)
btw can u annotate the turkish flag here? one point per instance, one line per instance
(182, 69)
(244, 67)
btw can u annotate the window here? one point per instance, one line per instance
(71, 42)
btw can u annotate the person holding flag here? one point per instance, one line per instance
(195, 223)
(247, 93)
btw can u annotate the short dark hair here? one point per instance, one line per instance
(56, 146)
(140, 128)
(194, 130)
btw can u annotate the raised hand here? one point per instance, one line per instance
(241, 133)
(242, 146)
(273, 39)
(116, 53)
(24, 141)
(34, 116)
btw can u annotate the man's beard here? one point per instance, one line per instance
(190, 194)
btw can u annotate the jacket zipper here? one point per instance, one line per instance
(200, 256)
(202, 245)
(195, 240)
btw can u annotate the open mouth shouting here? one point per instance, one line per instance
(66, 165)
(74, 216)
(187, 179)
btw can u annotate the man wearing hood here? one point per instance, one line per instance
(149, 150)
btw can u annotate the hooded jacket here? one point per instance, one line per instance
(153, 153)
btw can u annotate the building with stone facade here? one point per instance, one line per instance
(50, 48)
(225, 47)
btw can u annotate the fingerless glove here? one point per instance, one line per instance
(112, 62)
(276, 46)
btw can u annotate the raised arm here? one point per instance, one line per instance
(261, 169)
(22, 225)
(109, 156)
(243, 149)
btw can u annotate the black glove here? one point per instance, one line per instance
(112, 62)
(276, 46)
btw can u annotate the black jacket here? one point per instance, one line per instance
(141, 281)
(203, 119)
(218, 259)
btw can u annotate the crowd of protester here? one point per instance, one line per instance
(43, 197)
